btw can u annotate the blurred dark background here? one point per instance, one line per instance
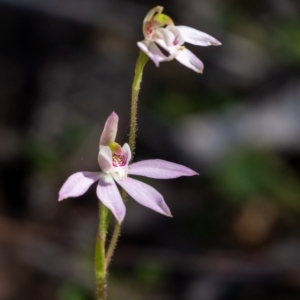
(66, 65)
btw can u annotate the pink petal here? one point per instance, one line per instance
(109, 195)
(197, 37)
(159, 169)
(110, 130)
(152, 51)
(144, 194)
(190, 60)
(77, 184)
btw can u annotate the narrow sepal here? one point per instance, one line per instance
(190, 60)
(77, 184)
(159, 169)
(109, 195)
(145, 195)
(152, 51)
(197, 37)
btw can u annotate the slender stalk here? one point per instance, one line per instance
(100, 265)
(113, 243)
(115, 236)
(136, 86)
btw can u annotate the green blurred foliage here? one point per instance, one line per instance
(247, 175)
(48, 156)
(72, 292)
(287, 42)
(172, 104)
(150, 274)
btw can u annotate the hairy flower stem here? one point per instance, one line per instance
(100, 265)
(136, 86)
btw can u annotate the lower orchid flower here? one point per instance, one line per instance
(159, 29)
(115, 168)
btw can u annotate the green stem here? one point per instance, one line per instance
(136, 86)
(100, 265)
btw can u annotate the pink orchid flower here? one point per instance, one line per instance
(114, 164)
(159, 29)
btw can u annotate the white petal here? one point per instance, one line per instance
(152, 51)
(127, 152)
(105, 159)
(172, 35)
(109, 195)
(197, 37)
(159, 169)
(145, 194)
(190, 60)
(171, 38)
(173, 50)
(77, 184)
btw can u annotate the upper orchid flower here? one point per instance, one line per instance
(159, 29)
(114, 164)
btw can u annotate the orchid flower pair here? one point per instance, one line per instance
(159, 29)
(114, 164)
